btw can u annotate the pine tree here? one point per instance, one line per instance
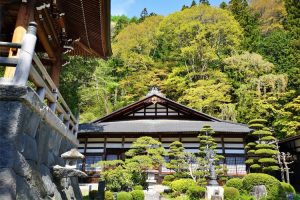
(193, 3)
(261, 152)
(249, 22)
(223, 5)
(184, 7)
(144, 14)
(206, 2)
(176, 156)
(207, 142)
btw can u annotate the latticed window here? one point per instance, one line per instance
(235, 165)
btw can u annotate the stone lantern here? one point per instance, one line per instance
(71, 158)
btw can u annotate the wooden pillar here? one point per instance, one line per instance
(104, 149)
(84, 153)
(25, 15)
(55, 72)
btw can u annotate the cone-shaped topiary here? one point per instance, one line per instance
(176, 156)
(261, 152)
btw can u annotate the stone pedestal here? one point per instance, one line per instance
(214, 193)
(151, 179)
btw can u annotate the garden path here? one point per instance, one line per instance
(154, 192)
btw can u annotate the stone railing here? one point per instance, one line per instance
(29, 71)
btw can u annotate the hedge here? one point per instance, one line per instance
(124, 196)
(274, 188)
(195, 192)
(109, 195)
(288, 188)
(138, 187)
(236, 183)
(182, 185)
(137, 195)
(231, 193)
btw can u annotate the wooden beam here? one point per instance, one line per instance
(25, 15)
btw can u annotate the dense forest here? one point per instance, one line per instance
(236, 62)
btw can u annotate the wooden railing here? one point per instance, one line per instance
(30, 70)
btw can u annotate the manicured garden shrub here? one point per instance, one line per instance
(138, 187)
(288, 188)
(169, 178)
(93, 194)
(231, 193)
(109, 195)
(274, 188)
(137, 195)
(182, 185)
(195, 192)
(236, 183)
(124, 196)
(167, 183)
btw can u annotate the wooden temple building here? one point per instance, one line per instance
(110, 137)
(72, 27)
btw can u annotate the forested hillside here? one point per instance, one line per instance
(237, 62)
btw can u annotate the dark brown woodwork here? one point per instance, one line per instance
(55, 72)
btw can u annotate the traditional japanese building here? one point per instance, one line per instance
(110, 137)
(292, 145)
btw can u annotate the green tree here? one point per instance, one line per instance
(223, 5)
(193, 3)
(248, 21)
(261, 152)
(149, 147)
(176, 151)
(144, 14)
(206, 2)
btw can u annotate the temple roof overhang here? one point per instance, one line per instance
(161, 126)
(157, 114)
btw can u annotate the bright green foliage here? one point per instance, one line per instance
(288, 188)
(109, 195)
(138, 187)
(231, 193)
(182, 185)
(288, 121)
(117, 179)
(124, 196)
(206, 140)
(274, 188)
(195, 192)
(261, 155)
(168, 179)
(137, 195)
(109, 164)
(147, 147)
(176, 156)
(235, 182)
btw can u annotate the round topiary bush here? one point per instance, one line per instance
(231, 193)
(138, 187)
(236, 183)
(288, 188)
(195, 192)
(124, 196)
(273, 185)
(182, 185)
(109, 195)
(137, 195)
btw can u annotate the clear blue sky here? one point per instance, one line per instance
(132, 8)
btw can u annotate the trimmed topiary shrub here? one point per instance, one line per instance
(169, 178)
(182, 185)
(137, 195)
(274, 188)
(288, 188)
(109, 195)
(231, 193)
(236, 183)
(124, 196)
(138, 187)
(195, 192)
